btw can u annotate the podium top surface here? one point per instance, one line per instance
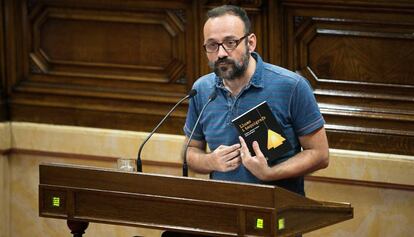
(234, 193)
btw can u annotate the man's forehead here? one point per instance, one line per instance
(223, 26)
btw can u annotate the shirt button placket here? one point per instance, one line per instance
(230, 102)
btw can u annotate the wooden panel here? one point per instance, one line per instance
(3, 82)
(359, 62)
(141, 46)
(133, 60)
(150, 210)
(128, 115)
(2, 66)
(123, 64)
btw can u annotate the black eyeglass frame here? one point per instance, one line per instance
(238, 41)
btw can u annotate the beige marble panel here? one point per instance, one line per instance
(5, 145)
(355, 165)
(377, 212)
(5, 139)
(25, 220)
(4, 197)
(95, 142)
(369, 166)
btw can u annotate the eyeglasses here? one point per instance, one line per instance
(228, 45)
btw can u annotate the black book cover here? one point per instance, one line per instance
(259, 124)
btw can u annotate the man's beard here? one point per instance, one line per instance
(232, 69)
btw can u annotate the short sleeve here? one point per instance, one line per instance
(192, 115)
(305, 113)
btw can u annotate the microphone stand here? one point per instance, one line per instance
(139, 160)
(185, 166)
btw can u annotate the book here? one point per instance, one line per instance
(259, 124)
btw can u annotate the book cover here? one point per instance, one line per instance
(259, 124)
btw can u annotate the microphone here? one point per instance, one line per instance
(190, 94)
(185, 166)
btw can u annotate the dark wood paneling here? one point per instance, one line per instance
(123, 64)
(2, 66)
(358, 58)
(109, 45)
(98, 112)
(3, 103)
(127, 62)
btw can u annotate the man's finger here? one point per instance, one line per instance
(244, 150)
(234, 147)
(220, 147)
(232, 155)
(230, 151)
(233, 164)
(256, 149)
(224, 150)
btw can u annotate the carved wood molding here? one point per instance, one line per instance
(122, 64)
(113, 64)
(360, 68)
(382, 5)
(61, 47)
(123, 118)
(3, 83)
(336, 59)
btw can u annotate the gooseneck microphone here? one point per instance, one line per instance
(190, 94)
(185, 166)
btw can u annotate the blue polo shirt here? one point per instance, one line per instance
(289, 96)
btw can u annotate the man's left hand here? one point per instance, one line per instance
(257, 165)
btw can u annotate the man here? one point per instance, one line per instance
(242, 80)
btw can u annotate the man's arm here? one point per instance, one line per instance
(224, 158)
(315, 156)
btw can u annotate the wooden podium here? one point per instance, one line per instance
(204, 207)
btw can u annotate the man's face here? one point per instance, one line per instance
(227, 64)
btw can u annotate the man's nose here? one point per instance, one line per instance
(222, 52)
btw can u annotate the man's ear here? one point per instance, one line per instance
(251, 42)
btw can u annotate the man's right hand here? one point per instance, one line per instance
(225, 158)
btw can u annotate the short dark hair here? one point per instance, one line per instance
(232, 10)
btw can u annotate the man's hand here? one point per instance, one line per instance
(314, 156)
(225, 158)
(257, 165)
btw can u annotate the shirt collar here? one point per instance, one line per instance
(256, 80)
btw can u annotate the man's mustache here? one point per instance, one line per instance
(224, 60)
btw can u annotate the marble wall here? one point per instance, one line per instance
(4, 197)
(380, 187)
(25, 220)
(5, 144)
(378, 212)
